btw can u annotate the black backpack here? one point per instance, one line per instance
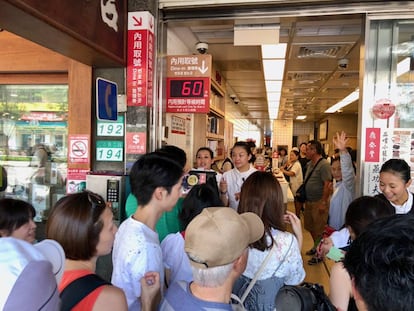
(304, 297)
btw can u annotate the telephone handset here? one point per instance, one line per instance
(112, 190)
(112, 195)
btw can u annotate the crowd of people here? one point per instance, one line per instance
(228, 244)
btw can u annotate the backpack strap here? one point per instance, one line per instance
(79, 289)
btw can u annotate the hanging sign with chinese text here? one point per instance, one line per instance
(140, 59)
(188, 83)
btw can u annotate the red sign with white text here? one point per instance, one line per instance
(372, 147)
(140, 59)
(136, 143)
(189, 95)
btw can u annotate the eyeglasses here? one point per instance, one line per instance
(95, 199)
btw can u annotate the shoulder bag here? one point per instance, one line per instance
(256, 276)
(79, 289)
(300, 194)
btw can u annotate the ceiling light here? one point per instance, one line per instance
(301, 117)
(273, 96)
(344, 102)
(274, 51)
(273, 85)
(273, 69)
(273, 112)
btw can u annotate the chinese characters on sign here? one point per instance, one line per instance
(136, 143)
(188, 83)
(177, 125)
(140, 59)
(382, 145)
(372, 148)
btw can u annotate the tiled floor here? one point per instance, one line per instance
(315, 273)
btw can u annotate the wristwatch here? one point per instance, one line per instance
(223, 192)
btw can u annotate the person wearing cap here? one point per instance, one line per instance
(175, 259)
(156, 183)
(29, 274)
(16, 219)
(216, 243)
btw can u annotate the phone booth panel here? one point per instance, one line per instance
(112, 188)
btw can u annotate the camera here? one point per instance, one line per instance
(343, 63)
(202, 47)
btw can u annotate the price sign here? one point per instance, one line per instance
(110, 128)
(109, 150)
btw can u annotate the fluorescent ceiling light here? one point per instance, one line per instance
(345, 102)
(274, 50)
(273, 96)
(273, 85)
(273, 104)
(402, 67)
(301, 117)
(273, 69)
(273, 112)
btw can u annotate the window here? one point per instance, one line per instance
(33, 133)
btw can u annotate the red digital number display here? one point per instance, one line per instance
(186, 88)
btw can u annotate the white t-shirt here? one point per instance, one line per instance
(291, 269)
(175, 258)
(297, 180)
(340, 238)
(235, 180)
(406, 207)
(136, 251)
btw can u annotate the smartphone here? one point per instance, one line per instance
(335, 254)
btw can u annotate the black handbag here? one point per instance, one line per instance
(305, 297)
(300, 194)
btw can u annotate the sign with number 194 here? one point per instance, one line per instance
(109, 150)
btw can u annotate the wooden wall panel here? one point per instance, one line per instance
(20, 55)
(73, 28)
(80, 106)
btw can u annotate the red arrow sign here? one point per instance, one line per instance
(138, 22)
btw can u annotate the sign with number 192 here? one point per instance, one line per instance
(110, 128)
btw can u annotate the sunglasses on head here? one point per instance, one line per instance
(95, 199)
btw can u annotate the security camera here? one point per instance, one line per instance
(236, 101)
(233, 96)
(343, 63)
(202, 47)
